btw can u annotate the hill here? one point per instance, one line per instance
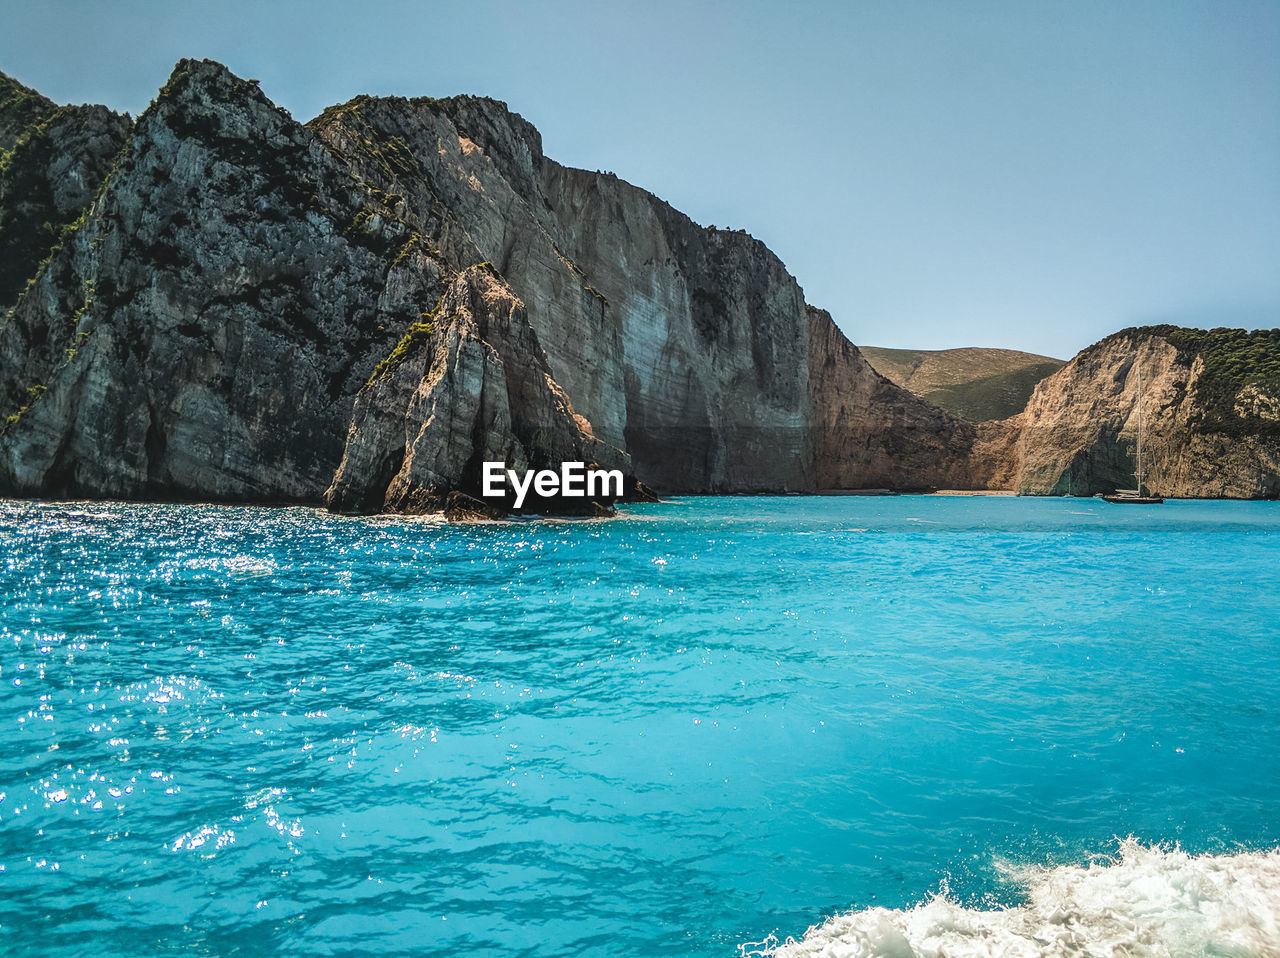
(978, 384)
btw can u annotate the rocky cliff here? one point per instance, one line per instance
(872, 433)
(201, 331)
(467, 384)
(217, 302)
(48, 176)
(198, 298)
(20, 108)
(686, 346)
(1210, 403)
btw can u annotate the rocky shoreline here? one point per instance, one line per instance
(217, 302)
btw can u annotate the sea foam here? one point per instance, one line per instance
(1145, 902)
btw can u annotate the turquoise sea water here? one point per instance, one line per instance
(275, 731)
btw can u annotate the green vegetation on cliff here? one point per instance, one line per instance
(33, 224)
(417, 335)
(1234, 359)
(1238, 390)
(47, 181)
(20, 107)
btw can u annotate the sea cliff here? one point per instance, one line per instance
(217, 302)
(1210, 402)
(242, 307)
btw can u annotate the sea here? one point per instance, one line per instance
(846, 726)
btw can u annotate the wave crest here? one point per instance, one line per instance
(1145, 902)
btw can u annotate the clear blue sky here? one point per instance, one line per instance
(1022, 174)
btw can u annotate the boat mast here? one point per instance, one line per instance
(1138, 474)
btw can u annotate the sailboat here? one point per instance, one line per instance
(1135, 497)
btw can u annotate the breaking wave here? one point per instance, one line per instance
(1145, 902)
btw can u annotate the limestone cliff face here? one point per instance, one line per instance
(227, 281)
(51, 173)
(467, 384)
(203, 330)
(686, 346)
(1207, 432)
(872, 433)
(218, 302)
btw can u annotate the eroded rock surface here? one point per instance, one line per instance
(466, 385)
(872, 433)
(48, 177)
(203, 331)
(687, 346)
(1078, 434)
(218, 302)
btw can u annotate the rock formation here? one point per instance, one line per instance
(20, 108)
(874, 434)
(47, 178)
(686, 346)
(217, 302)
(466, 385)
(203, 328)
(1211, 417)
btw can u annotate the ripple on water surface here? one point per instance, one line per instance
(671, 733)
